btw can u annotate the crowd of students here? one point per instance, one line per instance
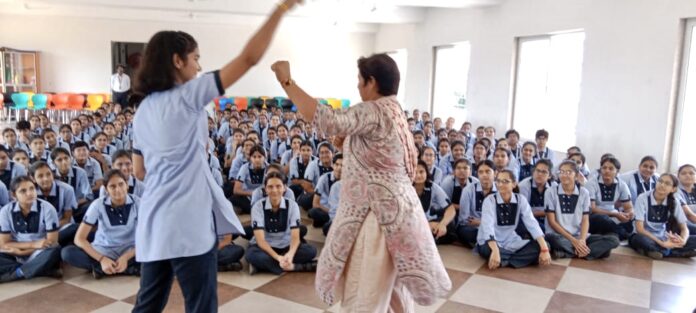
(68, 194)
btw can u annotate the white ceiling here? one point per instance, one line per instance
(240, 11)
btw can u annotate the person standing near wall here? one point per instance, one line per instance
(120, 86)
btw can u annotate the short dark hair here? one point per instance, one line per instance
(157, 72)
(383, 69)
(541, 133)
(23, 125)
(59, 150)
(80, 144)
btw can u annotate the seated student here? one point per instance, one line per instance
(660, 224)
(597, 174)
(427, 155)
(320, 205)
(110, 132)
(276, 245)
(20, 156)
(583, 170)
(291, 153)
(497, 240)
(471, 201)
(447, 163)
(534, 189)
(24, 133)
(215, 169)
(78, 132)
(4, 195)
(453, 185)
(92, 167)
(123, 161)
(113, 250)
(501, 160)
(490, 134)
(439, 210)
(271, 136)
(443, 150)
(281, 144)
(51, 139)
(428, 135)
(315, 169)
(480, 154)
(74, 176)
(249, 178)
(35, 125)
(38, 150)
(643, 179)
(687, 190)
(298, 167)
(542, 137)
(60, 195)
(100, 142)
(8, 168)
(11, 142)
(526, 160)
(122, 135)
(419, 140)
(241, 159)
(607, 193)
(66, 136)
(568, 220)
(513, 140)
(260, 192)
(46, 123)
(235, 141)
(28, 235)
(334, 199)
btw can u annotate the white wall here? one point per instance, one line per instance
(76, 52)
(628, 65)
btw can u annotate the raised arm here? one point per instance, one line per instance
(255, 47)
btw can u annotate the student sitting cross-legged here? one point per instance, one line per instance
(113, 249)
(568, 219)
(28, 235)
(497, 240)
(276, 245)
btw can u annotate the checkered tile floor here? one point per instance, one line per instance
(625, 282)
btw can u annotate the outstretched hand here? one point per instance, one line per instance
(282, 71)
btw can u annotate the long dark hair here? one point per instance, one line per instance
(672, 224)
(157, 72)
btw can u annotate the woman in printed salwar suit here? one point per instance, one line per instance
(380, 255)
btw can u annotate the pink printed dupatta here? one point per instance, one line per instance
(378, 166)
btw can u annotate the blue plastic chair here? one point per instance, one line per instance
(39, 101)
(21, 103)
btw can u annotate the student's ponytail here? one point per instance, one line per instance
(672, 223)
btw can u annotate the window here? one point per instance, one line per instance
(547, 87)
(401, 58)
(450, 79)
(684, 150)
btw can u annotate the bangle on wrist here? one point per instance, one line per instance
(544, 250)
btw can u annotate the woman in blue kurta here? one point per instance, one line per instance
(181, 199)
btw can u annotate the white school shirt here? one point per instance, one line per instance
(636, 184)
(116, 231)
(182, 207)
(499, 222)
(120, 83)
(569, 209)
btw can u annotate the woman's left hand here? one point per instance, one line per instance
(282, 71)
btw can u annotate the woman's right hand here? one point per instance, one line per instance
(108, 266)
(494, 260)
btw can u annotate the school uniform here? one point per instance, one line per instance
(517, 151)
(126, 141)
(446, 164)
(110, 117)
(41, 220)
(655, 216)
(62, 199)
(547, 154)
(437, 175)
(499, 221)
(450, 185)
(260, 193)
(637, 185)
(177, 192)
(334, 199)
(688, 198)
(529, 189)
(470, 205)
(45, 157)
(94, 173)
(239, 161)
(525, 169)
(286, 157)
(117, 143)
(224, 132)
(108, 152)
(19, 145)
(277, 228)
(60, 144)
(434, 202)
(605, 198)
(569, 211)
(250, 178)
(135, 188)
(70, 143)
(83, 136)
(297, 169)
(279, 147)
(314, 171)
(4, 195)
(11, 171)
(114, 236)
(322, 189)
(77, 179)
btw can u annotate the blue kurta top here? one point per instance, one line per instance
(181, 201)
